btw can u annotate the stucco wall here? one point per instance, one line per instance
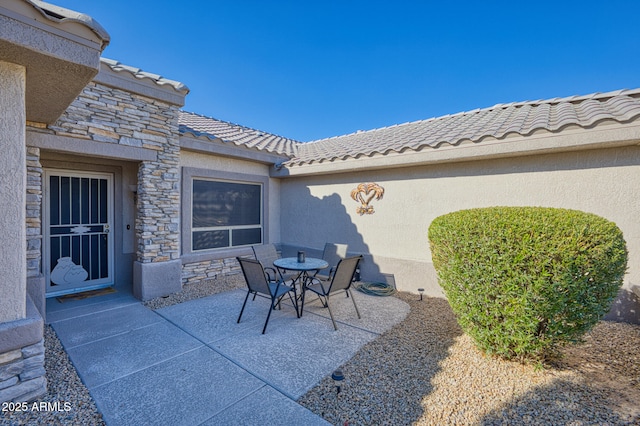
(319, 209)
(12, 192)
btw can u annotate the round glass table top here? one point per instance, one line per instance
(310, 263)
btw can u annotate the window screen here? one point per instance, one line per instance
(225, 214)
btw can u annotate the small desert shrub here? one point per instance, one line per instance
(523, 281)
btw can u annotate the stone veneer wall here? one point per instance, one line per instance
(34, 210)
(158, 218)
(106, 114)
(199, 271)
(22, 374)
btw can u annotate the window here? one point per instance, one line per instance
(225, 214)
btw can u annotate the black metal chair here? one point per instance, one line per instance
(266, 254)
(341, 281)
(332, 253)
(258, 283)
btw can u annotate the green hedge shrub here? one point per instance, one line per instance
(523, 281)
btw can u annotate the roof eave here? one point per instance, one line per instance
(59, 49)
(218, 147)
(113, 73)
(541, 142)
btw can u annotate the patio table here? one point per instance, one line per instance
(292, 264)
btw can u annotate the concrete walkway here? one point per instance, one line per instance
(192, 364)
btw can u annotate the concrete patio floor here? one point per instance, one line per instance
(192, 364)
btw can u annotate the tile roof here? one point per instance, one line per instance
(521, 118)
(139, 74)
(499, 121)
(210, 128)
(60, 14)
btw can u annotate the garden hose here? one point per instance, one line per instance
(376, 289)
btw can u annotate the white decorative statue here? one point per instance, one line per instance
(67, 272)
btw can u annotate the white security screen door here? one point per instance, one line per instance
(78, 253)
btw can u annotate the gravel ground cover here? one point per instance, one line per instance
(424, 371)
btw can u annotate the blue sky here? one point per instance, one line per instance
(314, 69)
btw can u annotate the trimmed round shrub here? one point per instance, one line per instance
(523, 281)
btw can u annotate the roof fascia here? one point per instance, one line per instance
(125, 80)
(218, 147)
(76, 27)
(61, 55)
(90, 148)
(540, 142)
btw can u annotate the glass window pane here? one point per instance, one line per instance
(104, 260)
(54, 185)
(243, 237)
(103, 201)
(94, 274)
(226, 204)
(75, 200)
(55, 252)
(75, 249)
(86, 252)
(203, 240)
(65, 200)
(84, 190)
(93, 200)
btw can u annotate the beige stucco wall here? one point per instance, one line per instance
(319, 209)
(13, 175)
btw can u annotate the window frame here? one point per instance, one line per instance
(189, 174)
(229, 229)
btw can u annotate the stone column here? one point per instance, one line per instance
(35, 279)
(157, 271)
(13, 260)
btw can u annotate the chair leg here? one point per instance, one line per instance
(273, 305)
(302, 302)
(294, 302)
(243, 305)
(335, 327)
(354, 303)
(324, 302)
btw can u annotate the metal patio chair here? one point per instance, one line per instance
(340, 281)
(266, 254)
(258, 283)
(333, 254)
